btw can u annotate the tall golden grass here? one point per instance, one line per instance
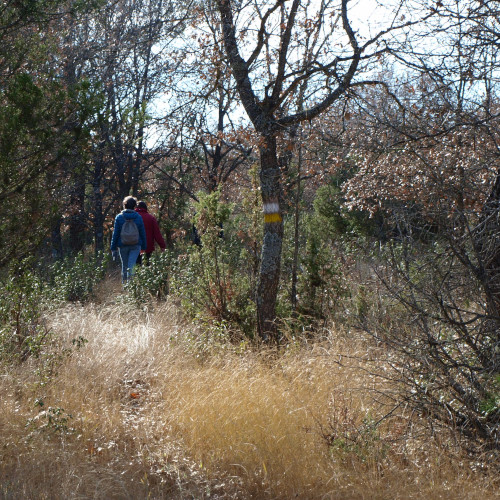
(146, 410)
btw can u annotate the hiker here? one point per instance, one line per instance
(153, 234)
(129, 237)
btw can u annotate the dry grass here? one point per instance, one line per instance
(156, 415)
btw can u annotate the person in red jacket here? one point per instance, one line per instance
(153, 234)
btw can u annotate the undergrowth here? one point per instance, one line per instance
(140, 407)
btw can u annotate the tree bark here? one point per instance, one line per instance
(267, 291)
(97, 209)
(56, 240)
(77, 219)
(296, 236)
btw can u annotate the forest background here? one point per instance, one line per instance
(326, 175)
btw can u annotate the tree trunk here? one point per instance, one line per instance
(296, 237)
(56, 240)
(273, 237)
(77, 220)
(98, 220)
(72, 160)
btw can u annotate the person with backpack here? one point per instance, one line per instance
(129, 237)
(153, 234)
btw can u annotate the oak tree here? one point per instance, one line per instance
(272, 48)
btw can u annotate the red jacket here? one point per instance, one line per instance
(152, 230)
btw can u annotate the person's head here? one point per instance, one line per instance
(142, 204)
(129, 202)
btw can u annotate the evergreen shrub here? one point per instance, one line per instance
(152, 280)
(74, 279)
(210, 279)
(23, 331)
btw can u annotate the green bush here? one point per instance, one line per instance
(74, 279)
(25, 296)
(151, 281)
(23, 331)
(321, 281)
(49, 420)
(211, 280)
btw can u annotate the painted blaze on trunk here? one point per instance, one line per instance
(273, 238)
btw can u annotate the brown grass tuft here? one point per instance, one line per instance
(143, 411)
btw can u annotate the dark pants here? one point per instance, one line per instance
(146, 257)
